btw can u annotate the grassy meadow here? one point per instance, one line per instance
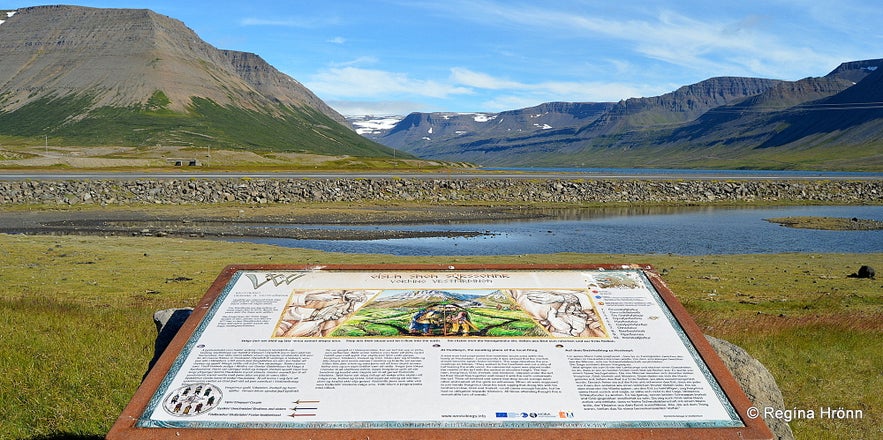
(77, 330)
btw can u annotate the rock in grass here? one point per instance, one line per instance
(756, 381)
(864, 272)
(168, 322)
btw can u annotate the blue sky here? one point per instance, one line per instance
(394, 57)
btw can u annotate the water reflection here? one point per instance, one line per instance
(579, 214)
(625, 230)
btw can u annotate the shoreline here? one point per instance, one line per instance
(316, 209)
(310, 222)
(301, 224)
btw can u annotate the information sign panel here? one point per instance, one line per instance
(437, 351)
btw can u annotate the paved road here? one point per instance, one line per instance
(501, 174)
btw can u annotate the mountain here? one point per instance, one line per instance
(856, 112)
(433, 133)
(829, 122)
(745, 120)
(422, 298)
(685, 104)
(88, 76)
(724, 122)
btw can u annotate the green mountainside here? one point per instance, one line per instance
(204, 124)
(93, 77)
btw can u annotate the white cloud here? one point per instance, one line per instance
(753, 44)
(677, 39)
(471, 78)
(353, 82)
(357, 61)
(380, 108)
(536, 93)
(356, 91)
(502, 103)
(304, 23)
(575, 51)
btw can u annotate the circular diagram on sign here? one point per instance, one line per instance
(192, 399)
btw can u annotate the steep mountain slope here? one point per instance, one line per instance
(746, 120)
(419, 129)
(814, 122)
(549, 133)
(275, 85)
(807, 121)
(434, 134)
(857, 109)
(722, 122)
(683, 105)
(855, 71)
(514, 137)
(95, 76)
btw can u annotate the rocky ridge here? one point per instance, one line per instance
(480, 190)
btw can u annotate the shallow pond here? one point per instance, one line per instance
(684, 231)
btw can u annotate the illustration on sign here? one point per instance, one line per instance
(192, 399)
(503, 313)
(318, 313)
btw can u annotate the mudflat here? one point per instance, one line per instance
(828, 223)
(278, 221)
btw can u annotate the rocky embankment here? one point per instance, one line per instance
(489, 190)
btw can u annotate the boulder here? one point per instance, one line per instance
(168, 322)
(864, 272)
(756, 381)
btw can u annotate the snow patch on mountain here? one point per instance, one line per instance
(9, 14)
(370, 124)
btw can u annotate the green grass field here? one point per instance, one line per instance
(77, 330)
(205, 124)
